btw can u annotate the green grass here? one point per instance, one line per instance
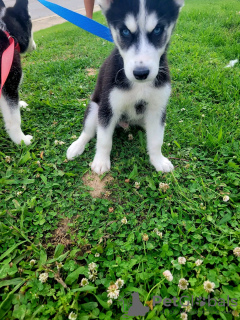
(41, 192)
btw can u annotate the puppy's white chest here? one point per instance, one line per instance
(140, 98)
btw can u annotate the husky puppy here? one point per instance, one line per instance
(16, 23)
(133, 85)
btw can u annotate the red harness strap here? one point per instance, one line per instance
(7, 59)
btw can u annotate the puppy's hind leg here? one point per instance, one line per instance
(89, 131)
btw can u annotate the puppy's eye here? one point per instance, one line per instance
(125, 33)
(157, 31)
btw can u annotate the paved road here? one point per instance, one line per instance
(43, 18)
(37, 10)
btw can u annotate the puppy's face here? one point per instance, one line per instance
(18, 23)
(141, 29)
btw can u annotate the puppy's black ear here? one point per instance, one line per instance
(21, 4)
(2, 5)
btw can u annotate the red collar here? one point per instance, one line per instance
(17, 47)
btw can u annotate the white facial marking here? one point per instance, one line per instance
(32, 45)
(180, 2)
(2, 12)
(131, 23)
(151, 22)
(104, 4)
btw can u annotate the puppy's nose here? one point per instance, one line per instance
(141, 73)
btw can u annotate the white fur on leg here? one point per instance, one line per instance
(89, 131)
(78, 146)
(101, 162)
(12, 119)
(155, 133)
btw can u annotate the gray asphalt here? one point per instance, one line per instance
(38, 11)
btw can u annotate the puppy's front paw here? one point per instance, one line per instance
(27, 139)
(75, 149)
(162, 164)
(22, 104)
(101, 165)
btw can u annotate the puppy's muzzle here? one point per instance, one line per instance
(141, 73)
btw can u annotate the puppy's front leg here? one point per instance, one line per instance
(155, 123)
(101, 162)
(12, 118)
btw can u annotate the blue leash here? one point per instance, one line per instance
(79, 20)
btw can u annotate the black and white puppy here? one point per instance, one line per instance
(16, 21)
(133, 85)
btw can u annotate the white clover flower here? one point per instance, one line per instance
(183, 284)
(119, 283)
(72, 316)
(113, 291)
(56, 142)
(32, 262)
(187, 306)
(61, 143)
(137, 185)
(145, 237)
(92, 266)
(8, 159)
(203, 115)
(74, 137)
(181, 121)
(167, 274)
(163, 186)
(183, 316)
(92, 275)
(226, 198)
(43, 277)
(208, 286)
(108, 193)
(130, 137)
(97, 255)
(124, 220)
(59, 265)
(182, 260)
(236, 251)
(183, 109)
(235, 313)
(109, 302)
(84, 282)
(158, 233)
(198, 262)
(19, 193)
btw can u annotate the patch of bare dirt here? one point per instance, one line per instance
(92, 180)
(61, 235)
(91, 71)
